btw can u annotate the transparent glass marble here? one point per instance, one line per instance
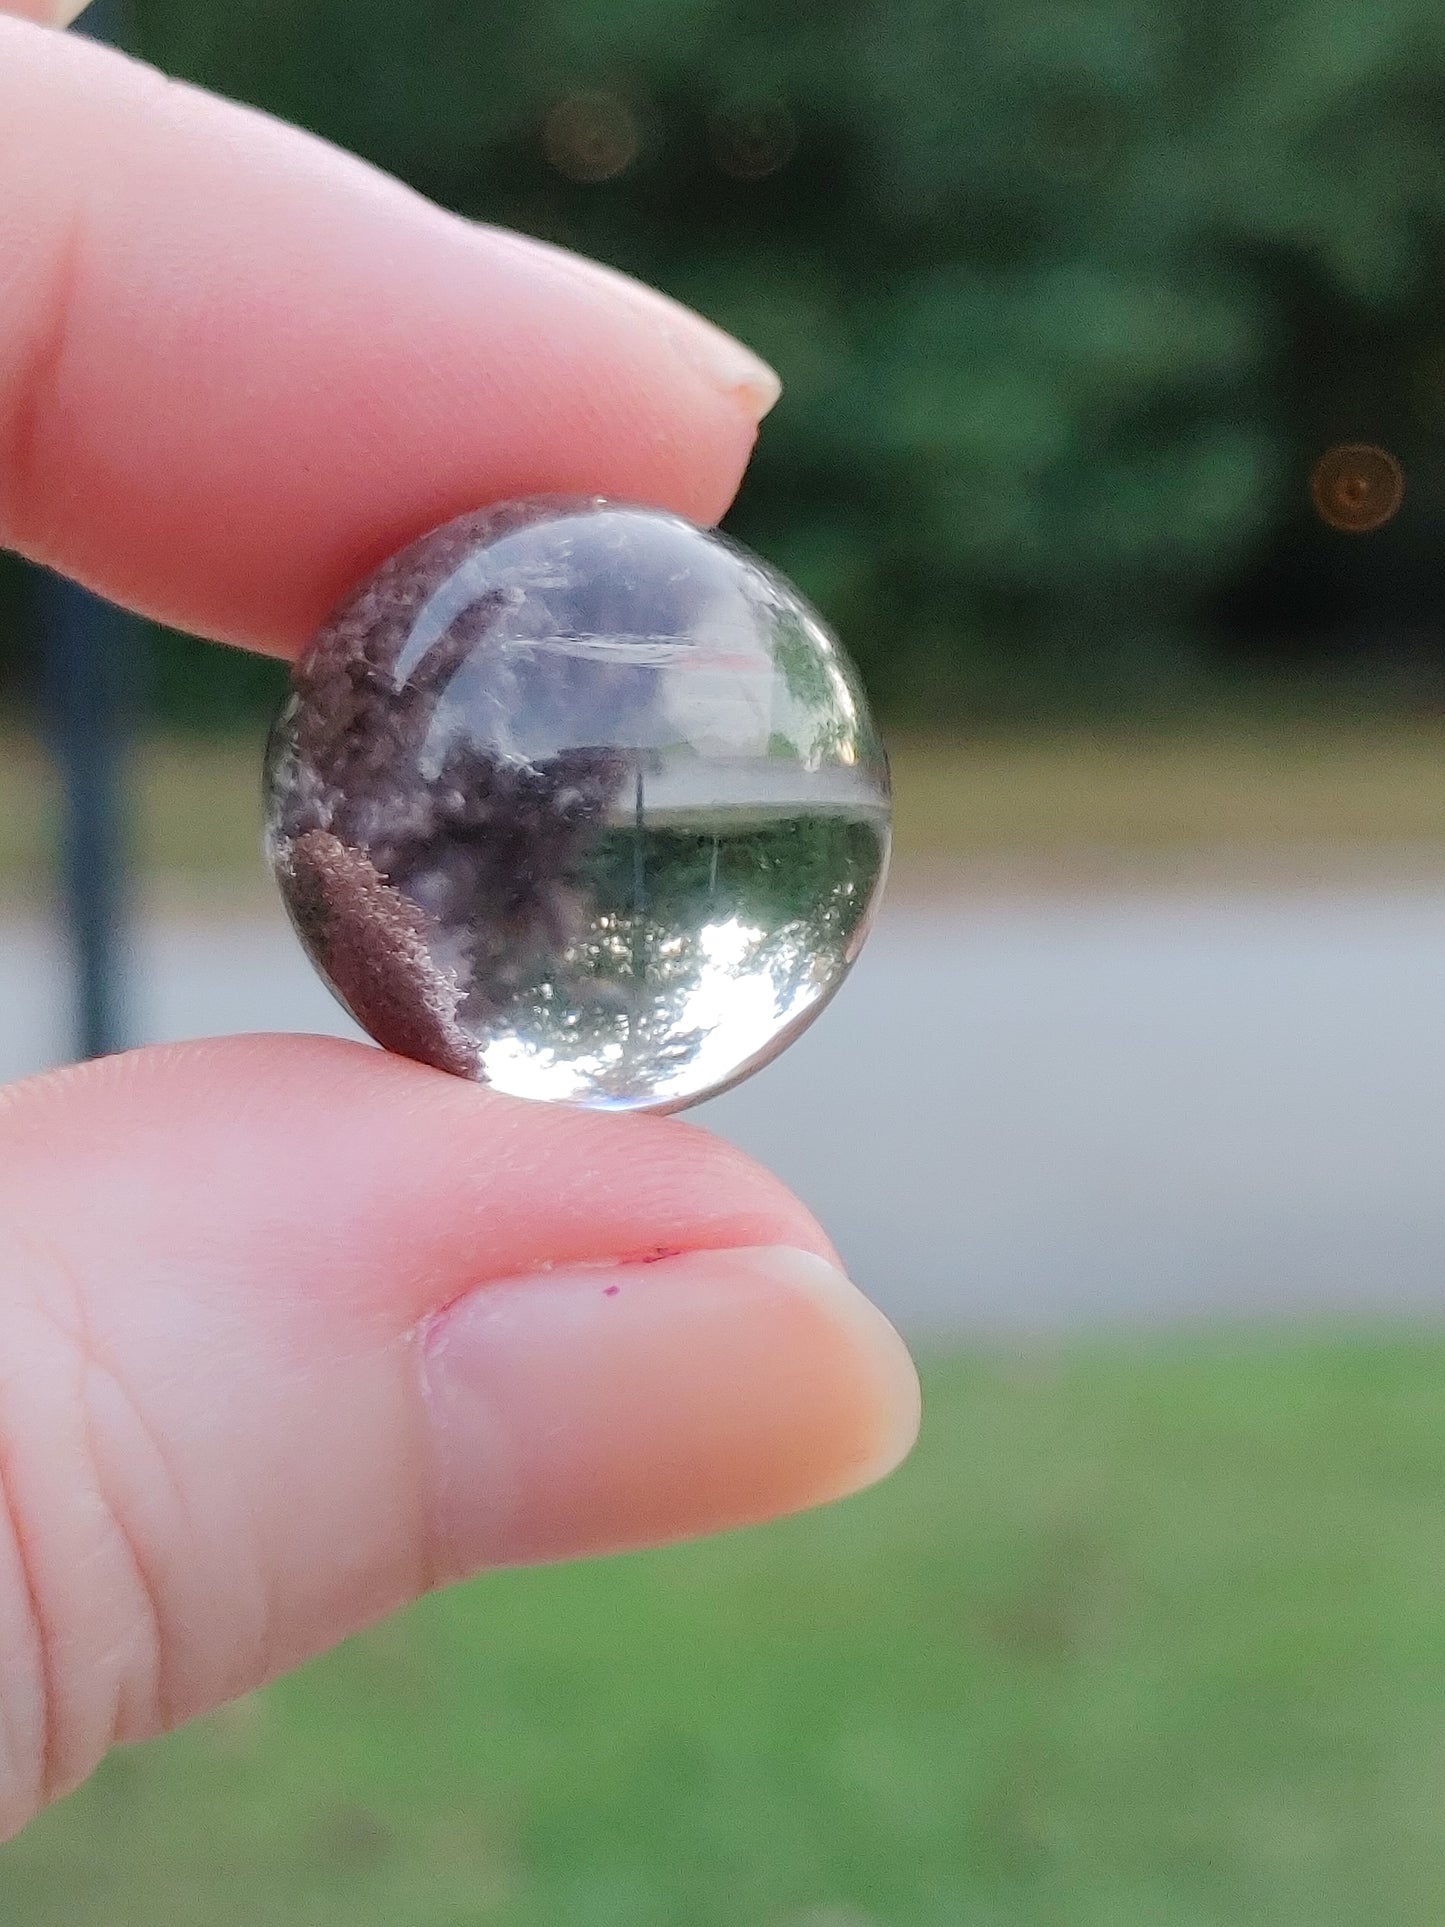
(580, 801)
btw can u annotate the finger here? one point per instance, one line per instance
(47, 13)
(332, 1327)
(238, 367)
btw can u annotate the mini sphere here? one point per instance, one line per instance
(579, 801)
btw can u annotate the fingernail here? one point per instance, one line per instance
(605, 1408)
(718, 356)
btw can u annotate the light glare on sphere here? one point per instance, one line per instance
(580, 801)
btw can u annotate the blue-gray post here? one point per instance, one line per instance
(88, 651)
(86, 647)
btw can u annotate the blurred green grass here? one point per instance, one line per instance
(1275, 788)
(1252, 787)
(1148, 1635)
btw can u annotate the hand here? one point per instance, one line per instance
(292, 1330)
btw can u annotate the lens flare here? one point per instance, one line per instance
(752, 138)
(591, 137)
(1356, 487)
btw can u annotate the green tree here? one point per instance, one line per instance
(1066, 294)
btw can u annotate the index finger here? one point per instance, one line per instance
(238, 367)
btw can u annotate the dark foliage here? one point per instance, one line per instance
(1067, 298)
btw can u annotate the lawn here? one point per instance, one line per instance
(1288, 790)
(1146, 1636)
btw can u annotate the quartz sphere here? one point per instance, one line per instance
(580, 801)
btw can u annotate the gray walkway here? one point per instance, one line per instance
(1024, 1112)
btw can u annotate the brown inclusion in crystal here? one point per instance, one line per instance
(380, 867)
(374, 945)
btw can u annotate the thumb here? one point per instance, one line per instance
(291, 1330)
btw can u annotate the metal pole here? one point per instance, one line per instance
(87, 648)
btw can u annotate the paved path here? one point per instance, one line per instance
(1129, 1106)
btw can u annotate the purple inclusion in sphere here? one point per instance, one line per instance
(580, 801)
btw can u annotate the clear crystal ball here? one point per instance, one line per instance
(580, 801)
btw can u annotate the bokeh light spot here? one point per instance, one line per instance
(1356, 487)
(591, 136)
(752, 139)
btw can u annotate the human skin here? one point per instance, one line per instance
(291, 1330)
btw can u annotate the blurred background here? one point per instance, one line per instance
(1113, 442)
